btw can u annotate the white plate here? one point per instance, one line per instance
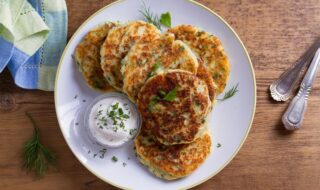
(230, 121)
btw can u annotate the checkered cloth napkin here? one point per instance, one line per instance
(32, 37)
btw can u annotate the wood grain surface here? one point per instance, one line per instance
(275, 32)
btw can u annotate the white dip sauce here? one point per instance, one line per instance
(113, 121)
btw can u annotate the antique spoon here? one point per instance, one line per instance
(293, 117)
(282, 89)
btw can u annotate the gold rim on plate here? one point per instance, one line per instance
(252, 72)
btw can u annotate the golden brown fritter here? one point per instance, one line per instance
(117, 45)
(147, 59)
(208, 48)
(172, 162)
(175, 104)
(87, 57)
(204, 74)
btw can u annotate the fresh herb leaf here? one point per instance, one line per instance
(171, 95)
(111, 113)
(156, 66)
(154, 69)
(97, 83)
(162, 93)
(153, 102)
(120, 111)
(125, 116)
(230, 93)
(132, 132)
(216, 76)
(114, 159)
(122, 125)
(117, 115)
(103, 152)
(36, 157)
(165, 19)
(115, 106)
(149, 16)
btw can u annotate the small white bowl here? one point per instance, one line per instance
(132, 106)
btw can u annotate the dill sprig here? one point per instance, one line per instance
(230, 93)
(36, 157)
(149, 16)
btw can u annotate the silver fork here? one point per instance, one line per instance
(282, 89)
(293, 117)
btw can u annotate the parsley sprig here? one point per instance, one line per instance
(170, 96)
(36, 157)
(164, 19)
(230, 93)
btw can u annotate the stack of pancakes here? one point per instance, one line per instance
(173, 77)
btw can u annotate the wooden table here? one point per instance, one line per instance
(275, 32)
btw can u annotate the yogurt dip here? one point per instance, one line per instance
(112, 120)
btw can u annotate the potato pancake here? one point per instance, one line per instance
(208, 48)
(118, 43)
(87, 57)
(204, 74)
(147, 59)
(175, 104)
(172, 162)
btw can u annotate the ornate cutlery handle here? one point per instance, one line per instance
(282, 89)
(293, 117)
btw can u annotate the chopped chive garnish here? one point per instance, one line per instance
(114, 159)
(103, 152)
